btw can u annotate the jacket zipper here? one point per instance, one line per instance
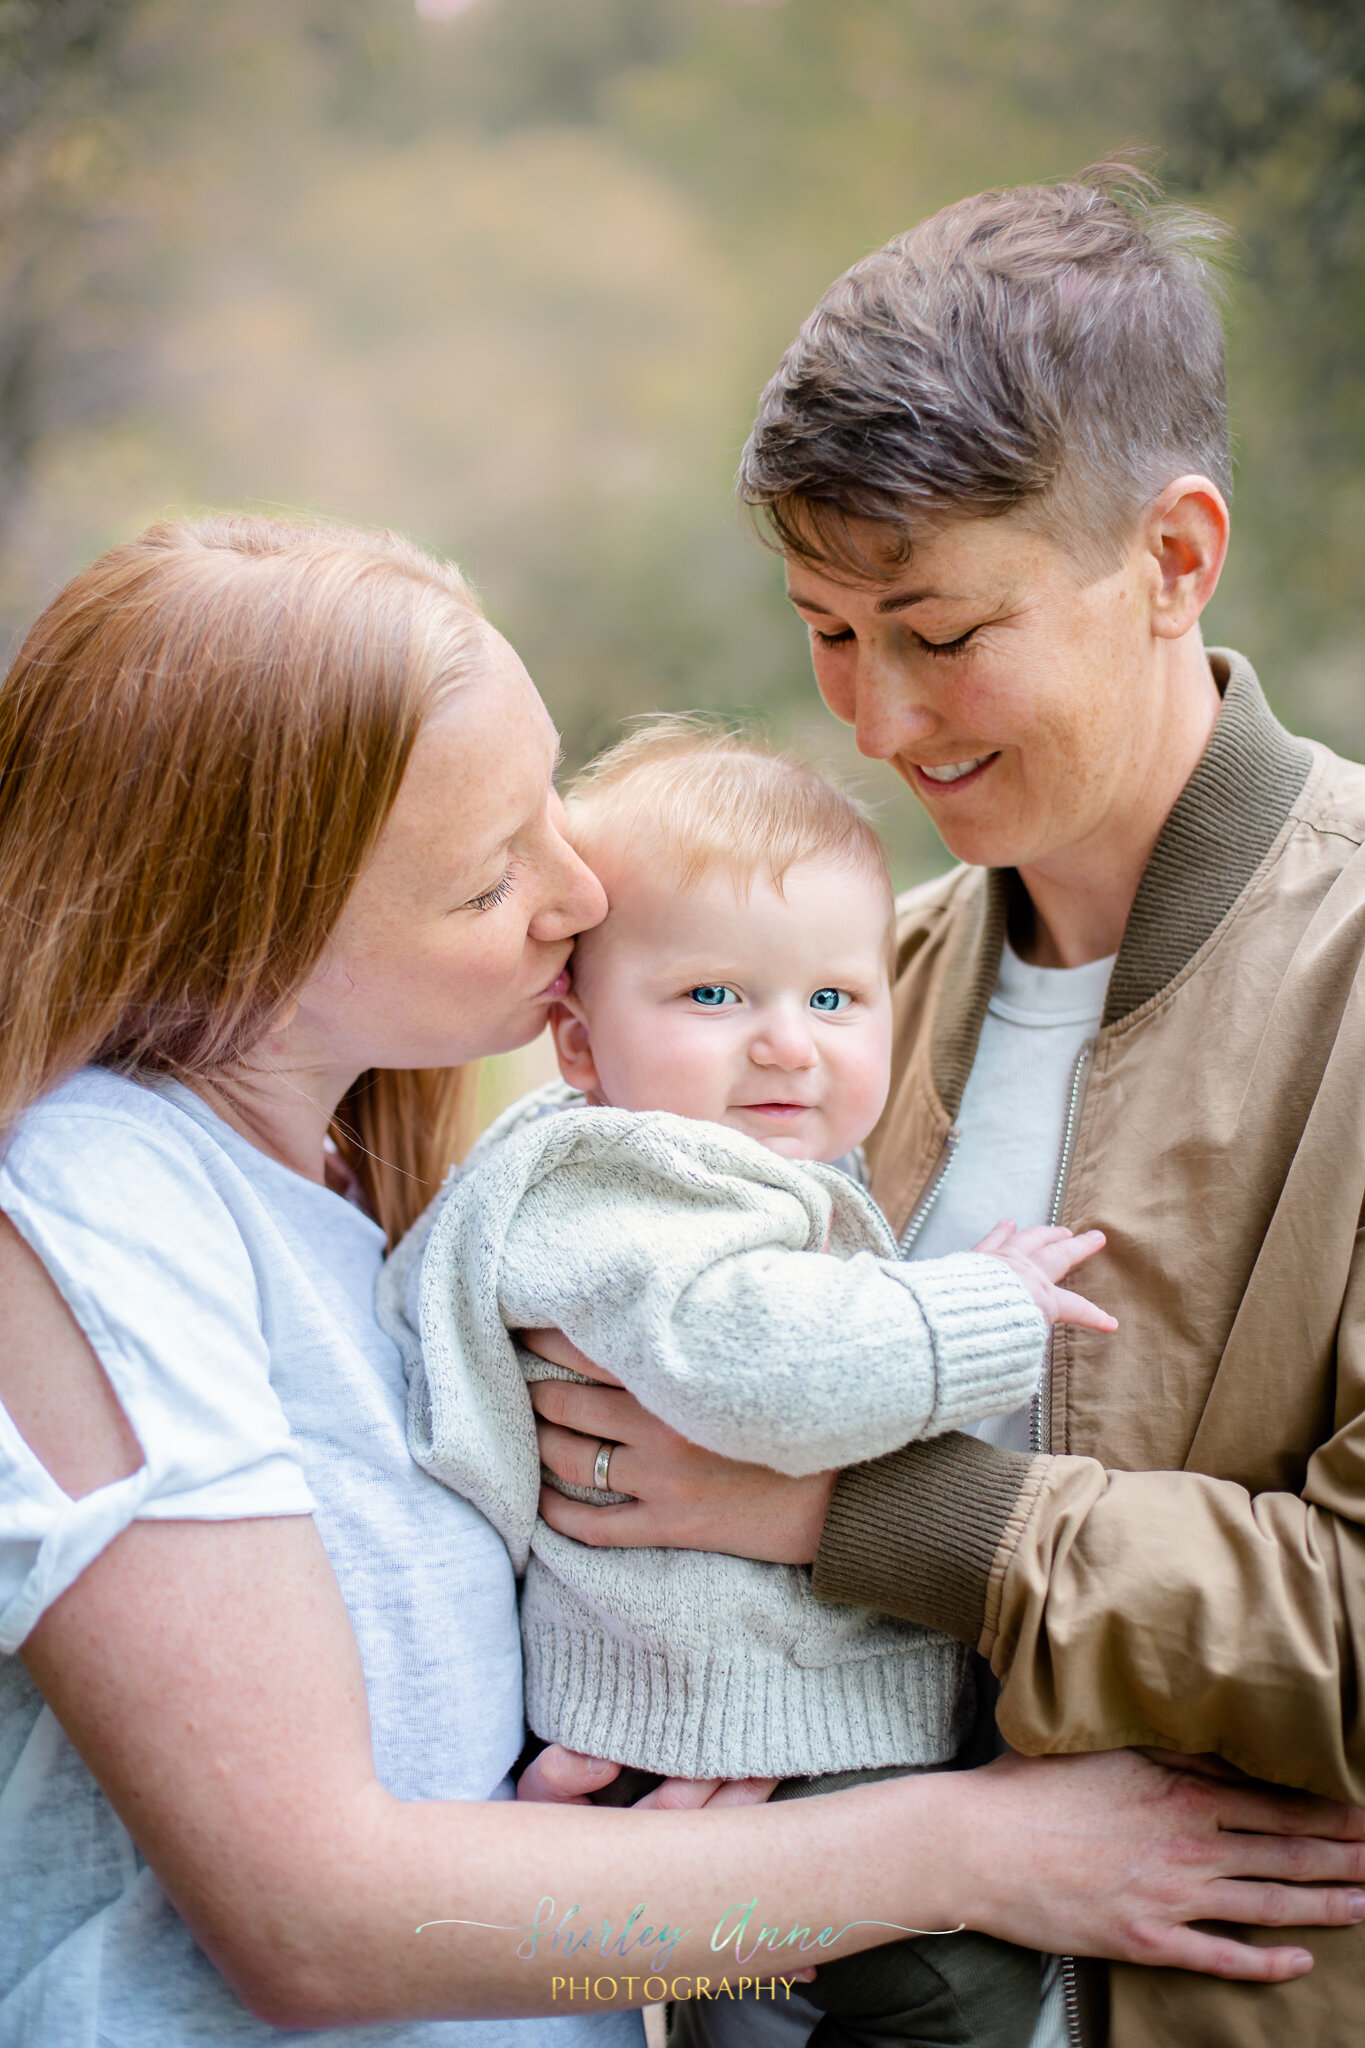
(1075, 1097)
(919, 1215)
(1040, 1438)
(1040, 1426)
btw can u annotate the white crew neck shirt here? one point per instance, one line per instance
(1006, 1162)
(1012, 1118)
(230, 1302)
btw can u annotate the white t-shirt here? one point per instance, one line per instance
(1011, 1122)
(1012, 1118)
(230, 1303)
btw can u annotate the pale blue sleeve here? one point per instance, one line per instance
(149, 1258)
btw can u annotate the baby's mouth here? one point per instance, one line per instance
(780, 1110)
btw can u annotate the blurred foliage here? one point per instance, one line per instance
(64, 355)
(512, 281)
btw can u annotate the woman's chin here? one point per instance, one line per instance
(515, 1033)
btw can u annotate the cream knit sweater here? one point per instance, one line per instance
(691, 1262)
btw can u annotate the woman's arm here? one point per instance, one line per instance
(51, 1382)
(208, 1675)
(1116, 1607)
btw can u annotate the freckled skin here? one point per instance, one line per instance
(469, 905)
(1085, 700)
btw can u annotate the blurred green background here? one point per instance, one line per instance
(509, 276)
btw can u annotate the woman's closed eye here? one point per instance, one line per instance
(934, 648)
(831, 1001)
(711, 995)
(499, 893)
(947, 647)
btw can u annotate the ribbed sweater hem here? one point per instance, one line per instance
(704, 1714)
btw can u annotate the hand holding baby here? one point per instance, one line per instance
(1043, 1255)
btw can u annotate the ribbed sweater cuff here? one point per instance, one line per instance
(989, 1336)
(916, 1533)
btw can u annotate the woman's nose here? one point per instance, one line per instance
(575, 899)
(887, 713)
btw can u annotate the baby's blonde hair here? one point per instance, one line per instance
(711, 795)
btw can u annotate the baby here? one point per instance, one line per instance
(688, 1209)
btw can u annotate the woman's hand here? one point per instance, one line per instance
(565, 1777)
(1108, 1855)
(1114, 1855)
(684, 1498)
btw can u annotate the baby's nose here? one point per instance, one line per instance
(784, 1041)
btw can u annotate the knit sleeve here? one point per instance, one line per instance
(689, 1263)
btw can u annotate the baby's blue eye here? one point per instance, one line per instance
(712, 996)
(829, 1000)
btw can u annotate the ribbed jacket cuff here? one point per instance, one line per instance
(989, 1336)
(916, 1533)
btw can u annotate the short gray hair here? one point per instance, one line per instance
(1052, 347)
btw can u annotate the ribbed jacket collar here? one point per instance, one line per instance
(1224, 822)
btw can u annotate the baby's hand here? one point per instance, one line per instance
(1041, 1257)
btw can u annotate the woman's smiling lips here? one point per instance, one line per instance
(949, 776)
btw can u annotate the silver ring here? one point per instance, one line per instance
(602, 1467)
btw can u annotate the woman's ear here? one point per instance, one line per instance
(574, 1049)
(1188, 536)
(282, 1019)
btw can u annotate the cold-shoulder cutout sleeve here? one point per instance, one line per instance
(154, 1266)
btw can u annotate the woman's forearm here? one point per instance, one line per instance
(208, 1676)
(408, 1910)
(578, 1907)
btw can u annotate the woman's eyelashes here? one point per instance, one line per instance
(499, 892)
(939, 648)
(934, 648)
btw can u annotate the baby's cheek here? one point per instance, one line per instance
(692, 1075)
(673, 1068)
(862, 1094)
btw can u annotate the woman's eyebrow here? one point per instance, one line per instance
(899, 601)
(808, 604)
(903, 600)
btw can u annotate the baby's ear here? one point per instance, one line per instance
(573, 1048)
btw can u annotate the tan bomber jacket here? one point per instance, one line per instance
(1184, 1564)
